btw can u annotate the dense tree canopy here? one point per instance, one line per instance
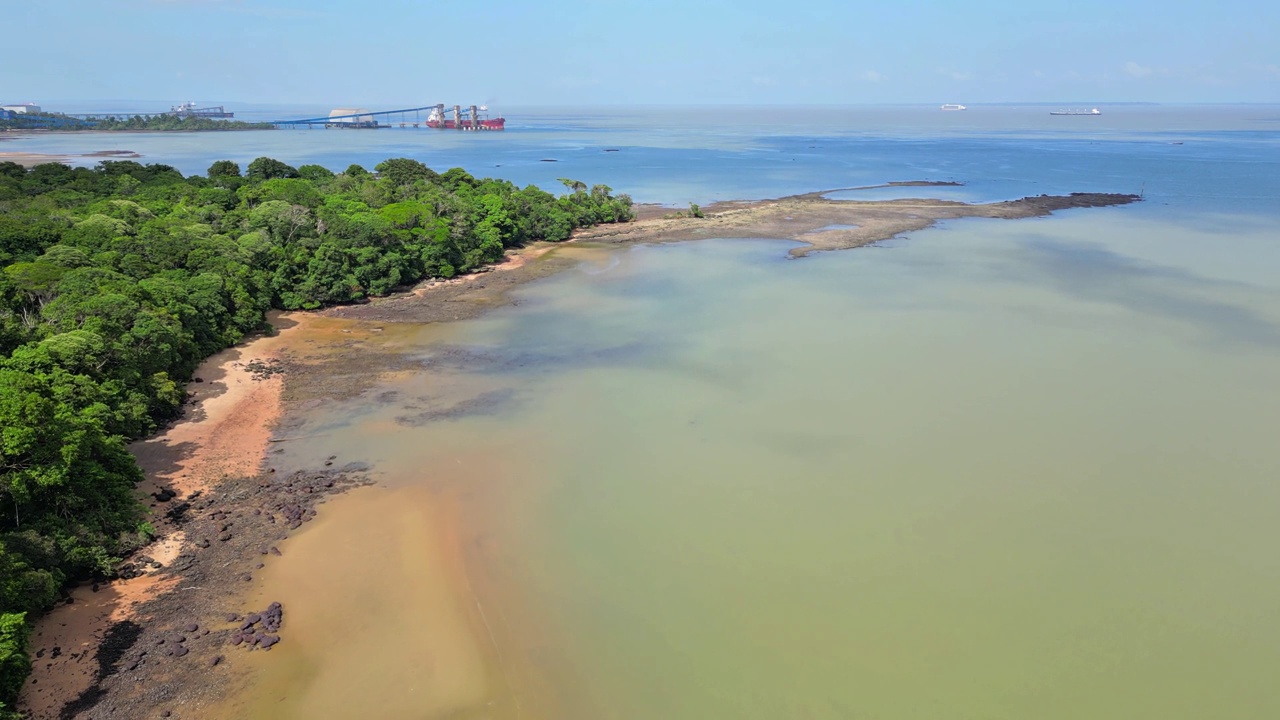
(165, 122)
(117, 281)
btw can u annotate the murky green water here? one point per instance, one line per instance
(998, 470)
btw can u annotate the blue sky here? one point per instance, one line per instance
(570, 52)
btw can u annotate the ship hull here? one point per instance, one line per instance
(491, 124)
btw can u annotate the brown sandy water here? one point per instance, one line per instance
(406, 616)
(998, 470)
(419, 587)
(429, 656)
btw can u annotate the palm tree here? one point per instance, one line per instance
(577, 186)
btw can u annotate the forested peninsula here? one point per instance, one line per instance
(118, 280)
(166, 122)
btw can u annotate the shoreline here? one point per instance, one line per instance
(111, 659)
(802, 218)
(210, 453)
(808, 218)
(31, 159)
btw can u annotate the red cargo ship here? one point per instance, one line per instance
(472, 118)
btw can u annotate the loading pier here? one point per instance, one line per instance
(438, 117)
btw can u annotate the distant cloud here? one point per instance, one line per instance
(1206, 77)
(955, 74)
(872, 76)
(1137, 70)
(1133, 69)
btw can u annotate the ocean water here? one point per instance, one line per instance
(993, 469)
(681, 155)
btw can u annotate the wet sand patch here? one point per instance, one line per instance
(28, 159)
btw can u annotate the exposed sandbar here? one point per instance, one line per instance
(28, 159)
(803, 218)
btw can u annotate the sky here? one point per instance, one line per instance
(626, 52)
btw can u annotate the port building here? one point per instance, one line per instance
(351, 117)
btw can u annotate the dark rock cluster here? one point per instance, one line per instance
(172, 644)
(164, 495)
(258, 630)
(161, 660)
(263, 369)
(138, 565)
(295, 515)
(274, 505)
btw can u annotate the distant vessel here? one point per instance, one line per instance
(473, 118)
(953, 106)
(1094, 111)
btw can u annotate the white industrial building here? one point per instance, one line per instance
(21, 108)
(351, 117)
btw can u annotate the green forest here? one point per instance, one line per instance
(165, 122)
(176, 123)
(118, 280)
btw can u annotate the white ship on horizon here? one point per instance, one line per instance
(1094, 111)
(953, 106)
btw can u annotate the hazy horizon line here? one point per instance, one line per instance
(967, 103)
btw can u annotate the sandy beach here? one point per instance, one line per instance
(223, 432)
(27, 159)
(232, 514)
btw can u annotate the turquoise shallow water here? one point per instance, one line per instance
(994, 469)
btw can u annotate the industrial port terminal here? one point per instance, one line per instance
(31, 115)
(439, 117)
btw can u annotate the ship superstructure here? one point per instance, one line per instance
(475, 117)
